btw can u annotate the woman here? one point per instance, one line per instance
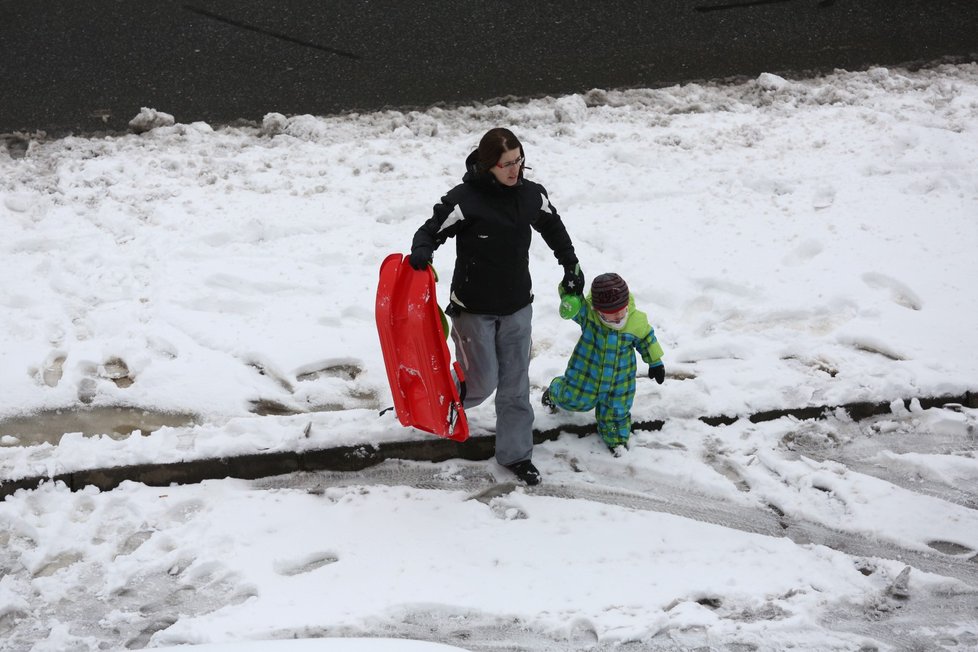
(490, 215)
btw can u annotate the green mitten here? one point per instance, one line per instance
(570, 305)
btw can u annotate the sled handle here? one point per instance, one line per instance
(461, 381)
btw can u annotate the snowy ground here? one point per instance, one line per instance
(795, 243)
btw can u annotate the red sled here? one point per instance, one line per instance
(419, 366)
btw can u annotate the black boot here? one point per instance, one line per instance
(525, 471)
(548, 402)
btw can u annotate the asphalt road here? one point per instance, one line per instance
(82, 67)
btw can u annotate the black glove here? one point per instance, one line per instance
(420, 257)
(573, 282)
(657, 373)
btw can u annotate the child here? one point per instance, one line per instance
(601, 371)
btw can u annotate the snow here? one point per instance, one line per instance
(324, 645)
(795, 243)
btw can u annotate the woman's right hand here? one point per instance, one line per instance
(420, 257)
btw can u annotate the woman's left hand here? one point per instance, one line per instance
(573, 282)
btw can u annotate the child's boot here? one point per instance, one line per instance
(548, 401)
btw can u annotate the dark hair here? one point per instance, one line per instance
(493, 144)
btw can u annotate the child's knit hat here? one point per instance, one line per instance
(609, 293)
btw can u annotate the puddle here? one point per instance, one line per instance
(116, 422)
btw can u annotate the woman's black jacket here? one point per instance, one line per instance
(491, 226)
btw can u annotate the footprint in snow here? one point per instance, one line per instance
(803, 253)
(52, 370)
(869, 344)
(345, 369)
(505, 510)
(305, 564)
(899, 292)
(823, 198)
(321, 386)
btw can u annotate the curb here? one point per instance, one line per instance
(356, 458)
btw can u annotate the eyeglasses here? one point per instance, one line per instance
(503, 166)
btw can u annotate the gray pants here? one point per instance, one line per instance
(494, 353)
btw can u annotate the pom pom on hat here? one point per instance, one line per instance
(609, 293)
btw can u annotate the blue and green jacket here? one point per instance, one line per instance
(601, 370)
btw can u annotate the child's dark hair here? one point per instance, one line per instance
(493, 144)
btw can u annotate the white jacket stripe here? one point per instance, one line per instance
(545, 204)
(454, 217)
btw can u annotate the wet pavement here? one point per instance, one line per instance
(116, 422)
(86, 67)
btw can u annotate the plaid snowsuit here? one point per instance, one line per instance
(601, 371)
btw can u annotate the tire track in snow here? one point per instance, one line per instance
(663, 497)
(866, 454)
